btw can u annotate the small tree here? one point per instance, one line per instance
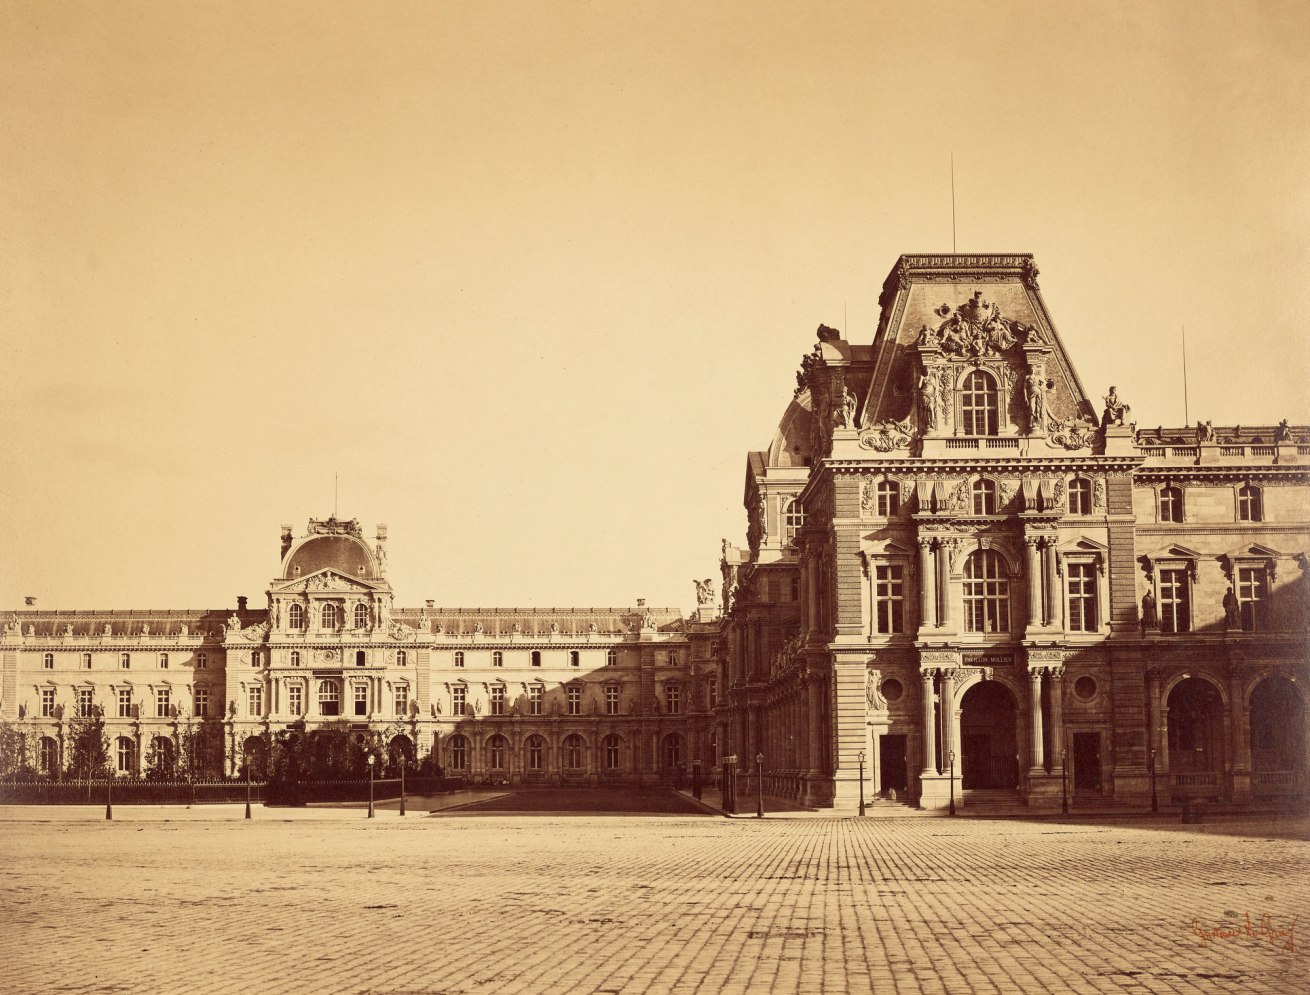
(88, 754)
(13, 750)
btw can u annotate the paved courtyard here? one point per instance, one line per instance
(325, 900)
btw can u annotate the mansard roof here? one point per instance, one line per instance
(501, 622)
(137, 622)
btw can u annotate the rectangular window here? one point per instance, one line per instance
(1253, 597)
(459, 658)
(498, 659)
(86, 661)
(47, 703)
(402, 699)
(329, 698)
(124, 703)
(575, 658)
(202, 702)
(536, 694)
(402, 658)
(361, 700)
(295, 699)
(497, 699)
(255, 700)
(536, 658)
(162, 696)
(611, 699)
(1082, 596)
(889, 597)
(574, 701)
(1175, 602)
(48, 661)
(295, 658)
(611, 658)
(712, 684)
(163, 661)
(673, 695)
(458, 699)
(202, 661)
(125, 661)
(85, 703)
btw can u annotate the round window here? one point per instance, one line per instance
(1085, 687)
(892, 689)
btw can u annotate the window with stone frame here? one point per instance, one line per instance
(611, 699)
(459, 658)
(202, 661)
(1175, 599)
(47, 703)
(1171, 504)
(295, 658)
(124, 661)
(360, 699)
(459, 752)
(86, 661)
(612, 746)
(329, 616)
(163, 661)
(361, 616)
(1250, 504)
(1253, 597)
(611, 658)
(200, 703)
(793, 520)
(986, 592)
(535, 658)
(984, 497)
(124, 703)
(979, 405)
(496, 750)
(255, 700)
(85, 703)
(400, 701)
(163, 698)
(673, 698)
(458, 699)
(126, 755)
(1080, 588)
(889, 597)
(295, 699)
(498, 699)
(573, 698)
(888, 498)
(575, 658)
(536, 696)
(329, 698)
(712, 691)
(1080, 496)
(48, 661)
(296, 616)
(536, 753)
(497, 658)
(402, 658)
(574, 752)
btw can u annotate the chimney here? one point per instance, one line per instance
(30, 601)
(430, 604)
(241, 603)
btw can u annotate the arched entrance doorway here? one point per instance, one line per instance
(989, 742)
(1278, 738)
(1196, 731)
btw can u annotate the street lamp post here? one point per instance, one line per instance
(861, 782)
(246, 756)
(1155, 804)
(402, 782)
(759, 771)
(1064, 784)
(109, 795)
(371, 761)
(951, 758)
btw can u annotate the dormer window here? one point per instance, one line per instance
(330, 619)
(361, 616)
(979, 407)
(296, 617)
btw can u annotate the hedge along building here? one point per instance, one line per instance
(503, 695)
(961, 567)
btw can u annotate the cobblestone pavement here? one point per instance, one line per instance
(331, 902)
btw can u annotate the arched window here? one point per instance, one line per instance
(536, 658)
(459, 658)
(459, 752)
(329, 698)
(888, 494)
(1171, 504)
(86, 661)
(361, 616)
(1250, 505)
(202, 661)
(793, 518)
(497, 658)
(536, 753)
(575, 658)
(574, 750)
(612, 746)
(295, 658)
(984, 497)
(296, 617)
(496, 752)
(125, 661)
(402, 658)
(361, 658)
(126, 755)
(330, 619)
(48, 661)
(612, 658)
(978, 404)
(49, 756)
(986, 592)
(163, 661)
(1080, 496)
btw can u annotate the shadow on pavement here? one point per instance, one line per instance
(581, 801)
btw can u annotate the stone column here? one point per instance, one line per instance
(929, 725)
(1032, 566)
(1038, 757)
(1239, 746)
(1056, 687)
(948, 714)
(927, 586)
(944, 583)
(1053, 613)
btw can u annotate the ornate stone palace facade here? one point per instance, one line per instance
(960, 574)
(963, 569)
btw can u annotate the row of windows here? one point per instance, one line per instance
(535, 750)
(84, 703)
(1175, 602)
(124, 661)
(330, 615)
(1250, 504)
(572, 699)
(534, 658)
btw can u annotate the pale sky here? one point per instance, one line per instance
(534, 277)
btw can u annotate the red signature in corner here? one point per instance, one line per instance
(1282, 940)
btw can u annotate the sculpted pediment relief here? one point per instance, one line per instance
(325, 580)
(976, 328)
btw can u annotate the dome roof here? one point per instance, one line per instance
(343, 553)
